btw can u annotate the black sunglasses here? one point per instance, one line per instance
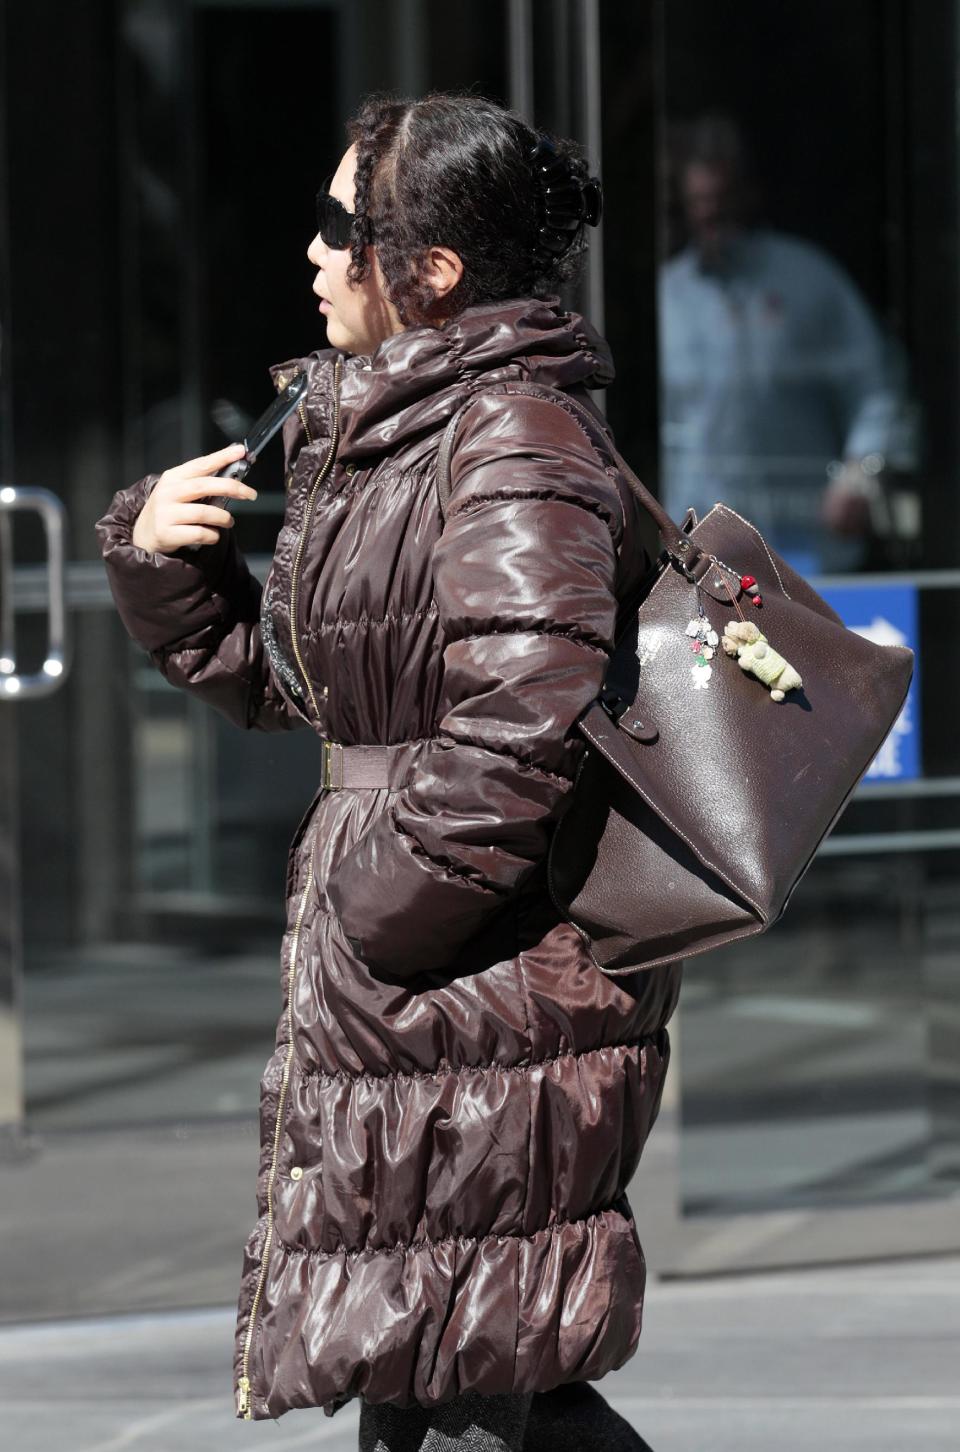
(334, 222)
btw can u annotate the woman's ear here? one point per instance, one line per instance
(442, 269)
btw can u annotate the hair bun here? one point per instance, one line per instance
(566, 201)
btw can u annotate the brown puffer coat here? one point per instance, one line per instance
(458, 1096)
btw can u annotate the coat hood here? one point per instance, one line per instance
(417, 379)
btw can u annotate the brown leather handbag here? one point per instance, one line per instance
(711, 778)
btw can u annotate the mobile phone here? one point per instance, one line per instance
(269, 423)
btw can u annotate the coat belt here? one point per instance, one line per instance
(364, 766)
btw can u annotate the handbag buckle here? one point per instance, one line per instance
(326, 764)
(687, 554)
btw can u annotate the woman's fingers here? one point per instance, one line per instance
(176, 514)
(175, 536)
(206, 514)
(210, 463)
(186, 489)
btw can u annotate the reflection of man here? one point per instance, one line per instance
(775, 376)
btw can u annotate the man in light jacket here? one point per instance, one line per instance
(780, 394)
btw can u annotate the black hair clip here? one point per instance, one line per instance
(565, 202)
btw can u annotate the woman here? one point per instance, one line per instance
(458, 1095)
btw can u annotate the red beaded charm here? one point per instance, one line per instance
(756, 600)
(746, 581)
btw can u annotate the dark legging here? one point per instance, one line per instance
(571, 1418)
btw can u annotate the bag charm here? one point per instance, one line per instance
(749, 584)
(704, 641)
(742, 639)
(754, 653)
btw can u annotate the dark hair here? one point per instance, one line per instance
(452, 170)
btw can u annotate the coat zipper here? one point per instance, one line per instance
(243, 1383)
(320, 475)
(302, 413)
(281, 383)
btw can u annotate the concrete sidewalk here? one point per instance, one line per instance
(845, 1360)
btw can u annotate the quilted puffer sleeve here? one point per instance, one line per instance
(524, 578)
(197, 613)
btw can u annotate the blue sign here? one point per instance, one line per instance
(887, 614)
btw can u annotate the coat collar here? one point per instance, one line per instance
(418, 378)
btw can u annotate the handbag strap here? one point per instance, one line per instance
(679, 546)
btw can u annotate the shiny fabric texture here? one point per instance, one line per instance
(464, 1095)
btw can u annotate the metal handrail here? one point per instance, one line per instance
(15, 685)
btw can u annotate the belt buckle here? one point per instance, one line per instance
(326, 765)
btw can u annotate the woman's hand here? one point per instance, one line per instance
(172, 516)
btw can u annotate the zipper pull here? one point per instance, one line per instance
(243, 1398)
(282, 379)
